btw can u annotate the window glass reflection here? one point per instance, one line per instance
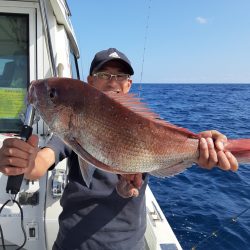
(14, 69)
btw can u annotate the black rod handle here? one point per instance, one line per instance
(14, 182)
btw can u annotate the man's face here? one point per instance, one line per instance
(113, 84)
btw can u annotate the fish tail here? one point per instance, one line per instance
(240, 148)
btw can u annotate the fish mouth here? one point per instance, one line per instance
(32, 95)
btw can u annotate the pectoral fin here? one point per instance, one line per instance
(82, 153)
(87, 171)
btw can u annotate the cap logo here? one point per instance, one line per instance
(114, 54)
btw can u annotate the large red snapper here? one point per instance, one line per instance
(116, 132)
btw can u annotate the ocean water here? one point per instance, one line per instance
(206, 209)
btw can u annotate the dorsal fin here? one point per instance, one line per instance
(133, 103)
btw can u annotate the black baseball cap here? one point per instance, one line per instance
(110, 54)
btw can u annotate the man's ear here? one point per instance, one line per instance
(129, 84)
(90, 79)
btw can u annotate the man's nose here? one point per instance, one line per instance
(113, 81)
(114, 85)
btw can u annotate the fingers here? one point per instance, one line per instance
(125, 188)
(129, 185)
(14, 149)
(233, 161)
(15, 143)
(15, 162)
(219, 139)
(13, 170)
(138, 180)
(212, 152)
(14, 152)
(226, 161)
(33, 140)
(16, 155)
(208, 155)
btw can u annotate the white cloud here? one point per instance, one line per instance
(201, 20)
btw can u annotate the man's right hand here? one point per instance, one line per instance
(17, 156)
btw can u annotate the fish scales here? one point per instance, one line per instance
(136, 139)
(144, 134)
(96, 143)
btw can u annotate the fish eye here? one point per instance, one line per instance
(52, 93)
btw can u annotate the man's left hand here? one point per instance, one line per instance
(212, 152)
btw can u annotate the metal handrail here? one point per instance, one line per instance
(44, 17)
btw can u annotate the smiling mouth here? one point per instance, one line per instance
(113, 90)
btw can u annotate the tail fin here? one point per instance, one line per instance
(240, 148)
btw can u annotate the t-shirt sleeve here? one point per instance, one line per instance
(60, 149)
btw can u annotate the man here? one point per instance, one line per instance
(94, 216)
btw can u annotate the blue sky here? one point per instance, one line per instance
(188, 41)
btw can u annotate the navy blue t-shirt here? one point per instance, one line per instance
(96, 217)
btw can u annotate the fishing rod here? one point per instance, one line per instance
(145, 43)
(15, 181)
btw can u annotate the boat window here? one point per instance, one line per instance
(14, 70)
(74, 66)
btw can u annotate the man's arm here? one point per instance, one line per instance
(44, 160)
(19, 157)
